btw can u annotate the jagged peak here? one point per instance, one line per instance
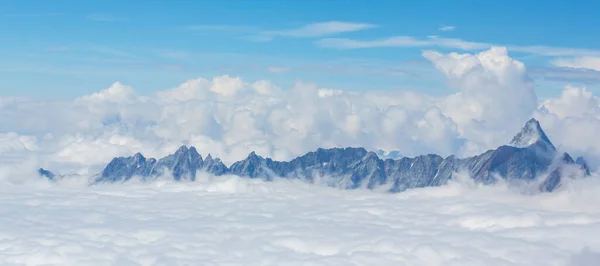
(370, 156)
(253, 155)
(580, 160)
(139, 157)
(182, 149)
(210, 158)
(45, 173)
(531, 134)
(193, 150)
(566, 158)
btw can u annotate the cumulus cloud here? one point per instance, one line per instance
(494, 94)
(571, 121)
(69, 223)
(264, 223)
(116, 93)
(229, 117)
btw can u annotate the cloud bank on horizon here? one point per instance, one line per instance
(229, 117)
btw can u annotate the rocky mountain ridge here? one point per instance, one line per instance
(530, 158)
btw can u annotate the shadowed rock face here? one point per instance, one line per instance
(47, 174)
(530, 155)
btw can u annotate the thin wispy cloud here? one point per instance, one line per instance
(103, 17)
(223, 28)
(31, 15)
(586, 62)
(110, 51)
(320, 29)
(173, 54)
(554, 51)
(565, 74)
(400, 41)
(447, 28)
(453, 43)
(57, 49)
(278, 69)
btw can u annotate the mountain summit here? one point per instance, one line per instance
(530, 158)
(532, 134)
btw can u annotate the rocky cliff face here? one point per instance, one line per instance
(531, 155)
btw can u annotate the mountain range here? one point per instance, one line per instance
(530, 158)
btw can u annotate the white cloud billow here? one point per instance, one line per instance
(495, 95)
(237, 221)
(230, 117)
(232, 220)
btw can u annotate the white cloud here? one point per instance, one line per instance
(278, 69)
(587, 62)
(573, 102)
(230, 117)
(116, 93)
(447, 28)
(265, 87)
(312, 30)
(401, 41)
(322, 29)
(435, 41)
(234, 221)
(103, 17)
(572, 120)
(226, 85)
(495, 95)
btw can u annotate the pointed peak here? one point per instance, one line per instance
(253, 155)
(371, 155)
(138, 156)
(531, 134)
(194, 153)
(584, 166)
(566, 158)
(193, 149)
(209, 157)
(580, 160)
(182, 149)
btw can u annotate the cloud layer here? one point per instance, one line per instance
(229, 117)
(233, 221)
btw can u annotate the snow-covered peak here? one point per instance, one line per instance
(531, 134)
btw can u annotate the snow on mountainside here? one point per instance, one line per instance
(531, 158)
(531, 134)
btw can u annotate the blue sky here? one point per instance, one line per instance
(63, 49)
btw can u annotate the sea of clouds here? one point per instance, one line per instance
(229, 220)
(236, 221)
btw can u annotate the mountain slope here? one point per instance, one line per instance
(531, 157)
